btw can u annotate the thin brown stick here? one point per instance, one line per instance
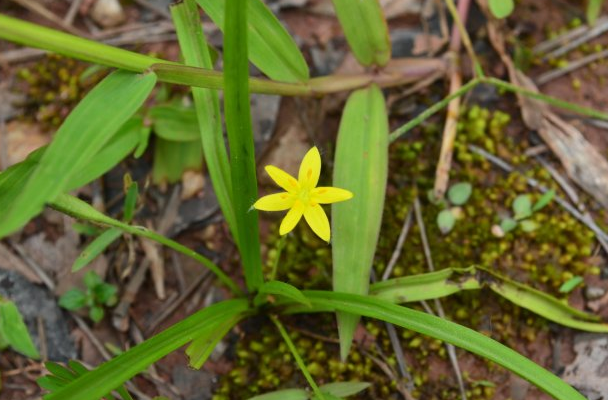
(38, 8)
(572, 65)
(68, 19)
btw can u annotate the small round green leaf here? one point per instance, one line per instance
(528, 225)
(522, 206)
(501, 8)
(508, 224)
(460, 193)
(445, 221)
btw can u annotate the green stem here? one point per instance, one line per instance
(275, 265)
(294, 351)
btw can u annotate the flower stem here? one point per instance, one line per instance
(292, 347)
(275, 264)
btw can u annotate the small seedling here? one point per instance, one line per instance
(523, 209)
(458, 195)
(97, 295)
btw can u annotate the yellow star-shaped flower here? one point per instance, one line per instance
(302, 196)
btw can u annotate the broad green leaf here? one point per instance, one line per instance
(344, 389)
(501, 8)
(445, 221)
(543, 200)
(285, 394)
(570, 284)
(105, 294)
(174, 122)
(522, 206)
(194, 48)
(55, 41)
(172, 159)
(95, 248)
(459, 193)
(73, 299)
(83, 134)
(96, 383)
(445, 330)
(13, 330)
(361, 166)
(237, 114)
(508, 224)
(448, 281)
(282, 289)
(365, 29)
(270, 47)
(117, 149)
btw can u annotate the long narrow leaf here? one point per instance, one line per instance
(106, 377)
(240, 137)
(85, 131)
(13, 330)
(447, 331)
(365, 29)
(271, 48)
(207, 105)
(361, 166)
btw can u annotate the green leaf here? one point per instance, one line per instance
(365, 29)
(85, 131)
(271, 48)
(361, 166)
(55, 41)
(117, 148)
(13, 330)
(528, 225)
(91, 279)
(522, 206)
(105, 293)
(201, 347)
(96, 313)
(594, 8)
(445, 330)
(445, 221)
(237, 114)
(501, 8)
(460, 193)
(283, 289)
(172, 159)
(130, 202)
(452, 280)
(570, 284)
(95, 248)
(544, 200)
(285, 394)
(144, 140)
(344, 389)
(174, 122)
(194, 48)
(508, 224)
(73, 299)
(96, 383)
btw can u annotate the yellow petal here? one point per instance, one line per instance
(328, 194)
(275, 202)
(292, 218)
(282, 178)
(310, 169)
(317, 219)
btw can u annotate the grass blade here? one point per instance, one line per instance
(447, 331)
(207, 105)
(240, 137)
(96, 383)
(270, 47)
(83, 134)
(361, 166)
(95, 248)
(365, 29)
(13, 330)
